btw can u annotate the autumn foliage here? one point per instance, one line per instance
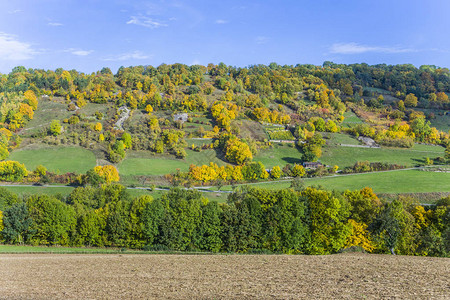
(109, 173)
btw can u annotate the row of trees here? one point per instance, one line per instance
(309, 221)
(248, 172)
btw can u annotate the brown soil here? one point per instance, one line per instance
(344, 276)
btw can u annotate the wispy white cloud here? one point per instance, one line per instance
(13, 49)
(220, 21)
(55, 24)
(79, 52)
(355, 48)
(146, 22)
(16, 11)
(261, 39)
(128, 56)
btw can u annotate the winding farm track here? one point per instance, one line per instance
(155, 276)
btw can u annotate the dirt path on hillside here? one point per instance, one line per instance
(344, 276)
(124, 115)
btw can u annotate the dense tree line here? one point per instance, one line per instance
(299, 220)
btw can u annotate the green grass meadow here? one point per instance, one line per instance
(279, 155)
(56, 159)
(348, 156)
(33, 190)
(402, 181)
(161, 165)
(350, 119)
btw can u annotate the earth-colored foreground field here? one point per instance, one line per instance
(348, 276)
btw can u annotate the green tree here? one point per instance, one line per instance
(410, 100)
(12, 171)
(54, 222)
(126, 139)
(183, 208)
(207, 235)
(89, 229)
(327, 221)
(152, 217)
(55, 128)
(275, 173)
(7, 198)
(117, 223)
(447, 153)
(17, 224)
(136, 235)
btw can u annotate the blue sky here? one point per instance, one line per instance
(89, 34)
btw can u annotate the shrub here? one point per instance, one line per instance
(12, 171)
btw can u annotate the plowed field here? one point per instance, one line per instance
(344, 276)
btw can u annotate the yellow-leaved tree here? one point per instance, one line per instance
(359, 236)
(31, 99)
(98, 126)
(109, 173)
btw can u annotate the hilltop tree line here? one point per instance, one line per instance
(296, 221)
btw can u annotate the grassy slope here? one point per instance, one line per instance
(440, 121)
(30, 190)
(57, 110)
(336, 139)
(142, 164)
(66, 190)
(46, 112)
(351, 119)
(279, 155)
(56, 159)
(347, 156)
(282, 154)
(404, 181)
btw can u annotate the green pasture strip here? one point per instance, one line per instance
(351, 118)
(279, 155)
(151, 166)
(33, 190)
(402, 181)
(348, 156)
(58, 159)
(161, 165)
(336, 139)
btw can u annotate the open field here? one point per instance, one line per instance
(151, 166)
(336, 139)
(252, 129)
(399, 181)
(351, 118)
(139, 163)
(32, 190)
(334, 154)
(56, 159)
(57, 110)
(441, 120)
(279, 155)
(348, 156)
(107, 276)
(406, 181)
(66, 190)
(46, 112)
